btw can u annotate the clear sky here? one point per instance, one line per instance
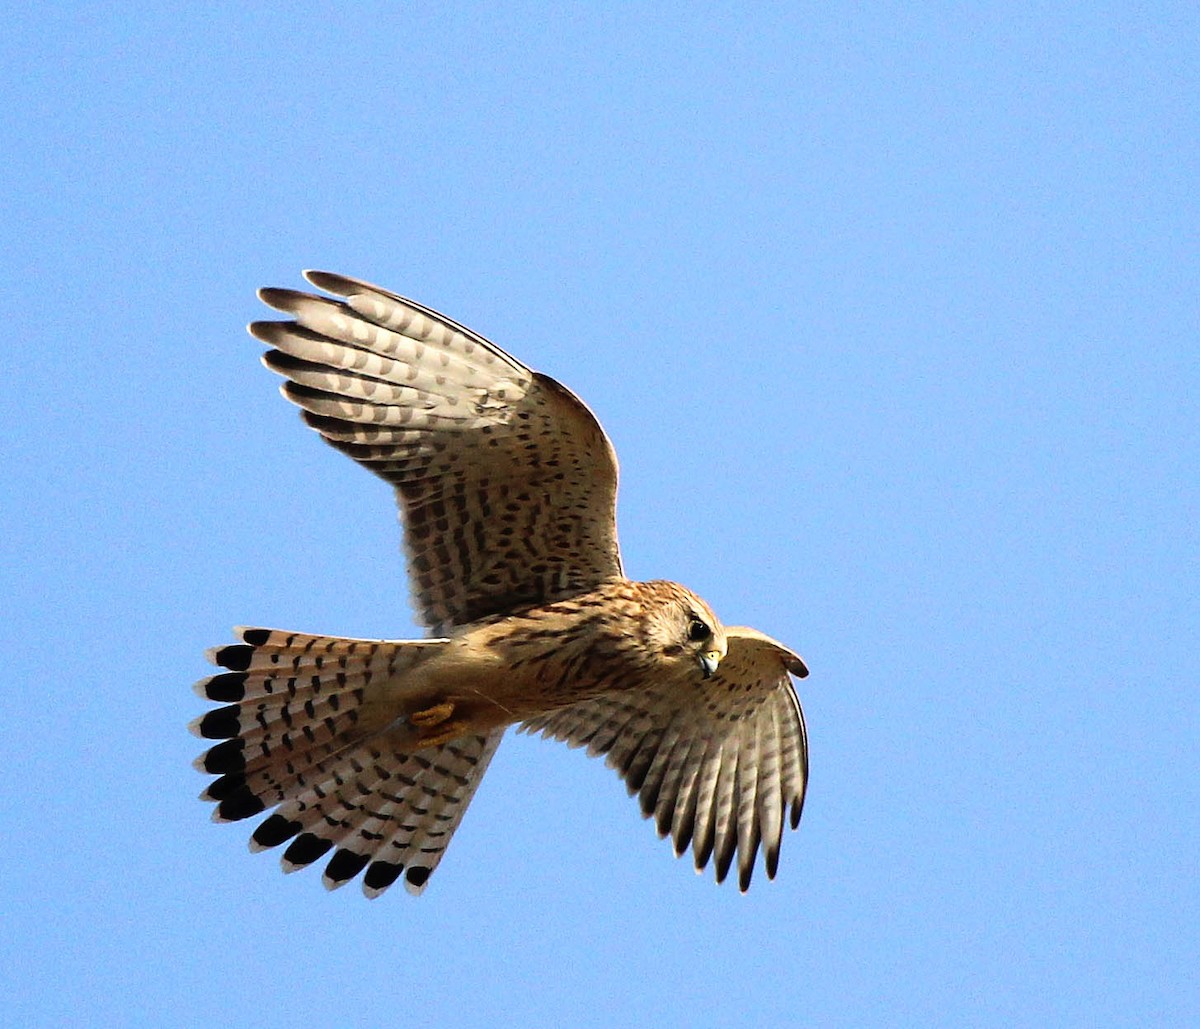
(891, 312)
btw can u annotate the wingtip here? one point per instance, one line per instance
(265, 330)
(760, 643)
(328, 281)
(274, 296)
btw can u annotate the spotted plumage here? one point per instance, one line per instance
(370, 750)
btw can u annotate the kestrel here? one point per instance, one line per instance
(507, 489)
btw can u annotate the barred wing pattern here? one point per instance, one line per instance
(720, 773)
(506, 481)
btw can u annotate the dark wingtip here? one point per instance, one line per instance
(280, 298)
(745, 873)
(331, 282)
(255, 637)
(771, 854)
(416, 877)
(265, 330)
(724, 861)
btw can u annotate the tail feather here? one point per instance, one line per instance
(275, 717)
(339, 790)
(297, 731)
(445, 779)
(398, 814)
(273, 778)
(270, 662)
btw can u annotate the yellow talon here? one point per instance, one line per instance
(432, 716)
(446, 732)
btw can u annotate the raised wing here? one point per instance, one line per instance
(719, 768)
(506, 481)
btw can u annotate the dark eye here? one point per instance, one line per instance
(697, 630)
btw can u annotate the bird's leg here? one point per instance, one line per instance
(431, 717)
(435, 726)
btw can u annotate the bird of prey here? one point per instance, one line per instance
(507, 491)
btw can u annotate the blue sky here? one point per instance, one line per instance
(891, 312)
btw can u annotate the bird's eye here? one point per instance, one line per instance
(697, 630)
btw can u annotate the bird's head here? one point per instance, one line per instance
(684, 631)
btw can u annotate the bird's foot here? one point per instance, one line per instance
(431, 717)
(435, 726)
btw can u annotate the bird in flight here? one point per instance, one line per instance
(507, 489)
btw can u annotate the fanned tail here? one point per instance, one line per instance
(300, 729)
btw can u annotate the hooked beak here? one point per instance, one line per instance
(709, 661)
